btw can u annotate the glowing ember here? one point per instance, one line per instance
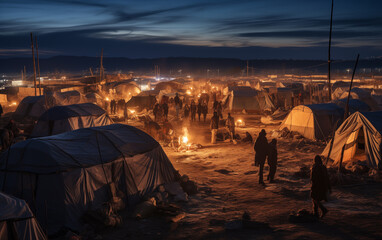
(240, 123)
(107, 99)
(131, 111)
(13, 104)
(184, 139)
(188, 92)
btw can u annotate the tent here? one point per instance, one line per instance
(62, 176)
(355, 105)
(316, 121)
(359, 133)
(61, 119)
(247, 98)
(69, 97)
(17, 221)
(142, 102)
(94, 98)
(32, 107)
(363, 95)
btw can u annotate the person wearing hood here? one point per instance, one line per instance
(320, 186)
(272, 159)
(261, 149)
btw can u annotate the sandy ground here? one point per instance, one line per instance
(229, 186)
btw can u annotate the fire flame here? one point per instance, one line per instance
(184, 139)
(107, 99)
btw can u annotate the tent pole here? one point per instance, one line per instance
(329, 61)
(351, 84)
(34, 66)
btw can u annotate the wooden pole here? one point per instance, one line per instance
(247, 68)
(101, 67)
(351, 84)
(38, 67)
(329, 60)
(34, 66)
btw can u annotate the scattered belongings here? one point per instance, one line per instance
(303, 173)
(245, 223)
(302, 216)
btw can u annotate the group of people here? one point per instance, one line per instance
(229, 124)
(320, 183)
(193, 109)
(117, 106)
(160, 111)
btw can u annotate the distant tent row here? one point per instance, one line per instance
(63, 176)
(61, 119)
(17, 221)
(142, 102)
(359, 132)
(248, 99)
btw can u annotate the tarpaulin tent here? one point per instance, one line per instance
(316, 121)
(64, 175)
(363, 95)
(358, 130)
(68, 98)
(17, 221)
(61, 119)
(94, 98)
(355, 105)
(32, 107)
(142, 102)
(246, 98)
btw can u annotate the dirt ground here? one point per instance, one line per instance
(228, 184)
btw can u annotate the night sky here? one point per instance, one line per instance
(257, 29)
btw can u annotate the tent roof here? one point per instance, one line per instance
(375, 119)
(76, 149)
(75, 110)
(324, 107)
(13, 208)
(354, 105)
(243, 91)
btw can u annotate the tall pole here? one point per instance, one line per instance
(247, 68)
(351, 84)
(101, 67)
(329, 60)
(34, 66)
(38, 67)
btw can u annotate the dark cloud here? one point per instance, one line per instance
(310, 34)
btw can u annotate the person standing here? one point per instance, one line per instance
(320, 186)
(193, 110)
(214, 127)
(177, 104)
(220, 110)
(165, 110)
(261, 149)
(272, 160)
(186, 111)
(199, 109)
(230, 124)
(204, 110)
(125, 112)
(155, 111)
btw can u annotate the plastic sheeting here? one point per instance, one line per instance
(62, 119)
(244, 97)
(355, 105)
(33, 107)
(347, 134)
(316, 121)
(64, 175)
(16, 216)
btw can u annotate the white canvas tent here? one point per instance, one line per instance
(316, 121)
(62, 176)
(17, 221)
(62, 119)
(246, 98)
(359, 130)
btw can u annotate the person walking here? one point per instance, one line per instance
(261, 149)
(272, 160)
(230, 125)
(193, 110)
(214, 127)
(165, 110)
(320, 186)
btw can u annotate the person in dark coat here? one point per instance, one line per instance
(220, 110)
(320, 186)
(204, 110)
(230, 125)
(186, 111)
(156, 111)
(193, 110)
(214, 127)
(113, 104)
(261, 149)
(125, 113)
(177, 104)
(165, 110)
(272, 159)
(199, 109)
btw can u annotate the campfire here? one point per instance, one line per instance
(240, 123)
(184, 140)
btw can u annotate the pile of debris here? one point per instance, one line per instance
(302, 216)
(244, 223)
